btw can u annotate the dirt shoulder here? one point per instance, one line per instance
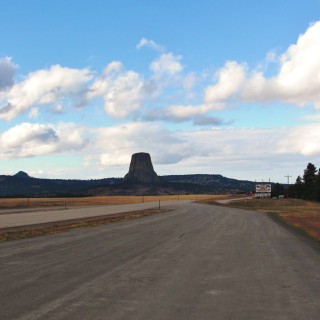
(23, 232)
(303, 216)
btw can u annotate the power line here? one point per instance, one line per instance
(288, 177)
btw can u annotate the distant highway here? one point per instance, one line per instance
(197, 262)
(23, 217)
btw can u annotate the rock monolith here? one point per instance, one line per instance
(141, 170)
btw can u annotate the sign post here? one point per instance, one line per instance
(263, 190)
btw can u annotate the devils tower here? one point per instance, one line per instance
(141, 170)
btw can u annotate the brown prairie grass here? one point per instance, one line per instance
(300, 214)
(101, 200)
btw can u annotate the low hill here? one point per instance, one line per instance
(22, 185)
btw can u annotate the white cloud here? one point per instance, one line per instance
(122, 91)
(312, 118)
(234, 152)
(57, 109)
(239, 153)
(149, 43)
(189, 111)
(168, 147)
(230, 80)
(231, 151)
(304, 140)
(115, 145)
(297, 81)
(7, 73)
(34, 112)
(166, 64)
(43, 87)
(30, 140)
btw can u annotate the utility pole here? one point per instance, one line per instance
(288, 178)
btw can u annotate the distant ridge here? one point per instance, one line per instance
(140, 180)
(21, 174)
(22, 185)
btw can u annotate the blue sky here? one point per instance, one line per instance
(224, 87)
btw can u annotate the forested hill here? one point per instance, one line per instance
(215, 181)
(21, 184)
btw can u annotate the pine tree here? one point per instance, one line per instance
(295, 190)
(318, 186)
(310, 182)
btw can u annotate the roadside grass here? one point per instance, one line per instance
(7, 203)
(62, 226)
(302, 215)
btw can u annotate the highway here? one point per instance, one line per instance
(195, 262)
(24, 217)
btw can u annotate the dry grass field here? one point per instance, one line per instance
(6, 203)
(302, 215)
(27, 232)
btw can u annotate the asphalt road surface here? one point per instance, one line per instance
(24, 217)
(195, 262)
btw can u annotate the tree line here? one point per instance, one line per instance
(307, 187)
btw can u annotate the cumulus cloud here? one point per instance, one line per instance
(297, 81)
(198, 114)
(230, 79)
(166, 64)
(125, 93)
(186, 111)
(43, 87)
(167, 94)
(30, 140)
(149, 43)
(7, 73)
(304, 140)
(122, 91)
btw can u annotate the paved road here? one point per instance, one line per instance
(196, 262)
(23, 217)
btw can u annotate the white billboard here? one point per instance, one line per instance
(263, 188)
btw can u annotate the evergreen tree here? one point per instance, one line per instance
(297, 191)
(310, 182)
(277, 190)
(318, 186)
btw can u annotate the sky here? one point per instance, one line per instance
(217, 87)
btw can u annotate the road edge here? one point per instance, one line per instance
(35, 230)
(299, 232)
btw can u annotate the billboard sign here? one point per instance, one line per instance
(263, 188)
